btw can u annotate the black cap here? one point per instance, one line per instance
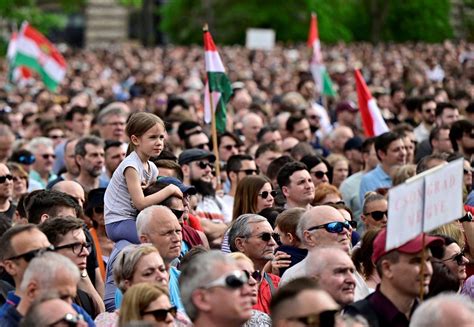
(191, 155)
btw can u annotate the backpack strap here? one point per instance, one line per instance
(270, 283)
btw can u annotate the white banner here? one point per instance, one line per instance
(260, 39)
(405, 213)
(443, 195)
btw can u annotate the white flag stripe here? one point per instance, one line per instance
(27, 47)
(55, 71)
(379, 124)
(213, 62)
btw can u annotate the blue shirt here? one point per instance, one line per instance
(374, 179)
(9, 309)
(173, 286)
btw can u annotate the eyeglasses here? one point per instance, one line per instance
(458, 258)
(314, 117)
(201, 146)
(76, 248)
(377, 215)
(333, 227)
(177, 213)
(248, 172)
(4, 178)
(323, 319)
(161, 314)
(55, 137)
(48, 155)
(257, 275)
(26, 160)
(266, 236)
(203, 165)
(30, 255)
(229, 147)
(234, 280)
(70, 320)
(265, 194)
(320, 174)
(353, 223)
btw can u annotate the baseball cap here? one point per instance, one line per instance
(173, 180)
(191, 155)
(346, 106)
(411, 247)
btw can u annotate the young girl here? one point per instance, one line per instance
(124, 196)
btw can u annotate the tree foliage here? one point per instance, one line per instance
(339, 20)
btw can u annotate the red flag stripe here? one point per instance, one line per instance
(43, 42)
(313, 34)
(209, 42)
(363, 95)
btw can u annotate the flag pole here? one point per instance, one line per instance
(214, 132)
(422, 268)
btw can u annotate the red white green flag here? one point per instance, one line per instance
(217, 85)
(318, 70)
(372, 119)
(15, 73)
(35, 51)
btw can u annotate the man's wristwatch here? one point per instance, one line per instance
(467, 218)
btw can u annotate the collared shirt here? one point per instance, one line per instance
(374, 179)
(11, 301)
(35, 176)
(387, 312)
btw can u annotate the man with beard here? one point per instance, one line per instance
(462, 138)
(89, 153)
(198, 168)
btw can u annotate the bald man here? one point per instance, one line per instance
(321, 226)
(251, 125)
(339, 136)
(7, 208)
(72, 188)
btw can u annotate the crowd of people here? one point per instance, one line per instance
(117, 206)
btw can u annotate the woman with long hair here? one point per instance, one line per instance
(253, 194)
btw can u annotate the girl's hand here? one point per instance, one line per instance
(174, 190)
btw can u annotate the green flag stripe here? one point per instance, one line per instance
(219, 82)
(23, 60)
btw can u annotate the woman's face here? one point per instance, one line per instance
(331, 198)
(467, 175)
(246, 265)
(319, 174)
(19, 184)
(150, 268)
(264, 198)
(340, 172)
(160, 303)
(450, 261)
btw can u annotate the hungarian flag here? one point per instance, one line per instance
(33, 50)
(15, 73)
(318, 70)
(372, 119)
(217, 85)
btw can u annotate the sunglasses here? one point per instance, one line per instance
(257, 275)
(234, 280)
(229, 147)
(314, 117)
(4, 178)
(55, 137)
(458, 258)
(161, 314)
(177, 213)
(26, 160)
(30, 255)
(265, 194)
(203, 165)
(266, 237)
(47, 156)
(320, 174)
(201, 146)
(467, 171)
(336, 203)
(69, 319)
(353, 223)
(248, 172)
(377, 215)
(76, 248)
(334, 227)
(323, 319)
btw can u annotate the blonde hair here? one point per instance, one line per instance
(138, 124)
(403, 173)
(452, 230)
(137, 299)
(239, 256)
